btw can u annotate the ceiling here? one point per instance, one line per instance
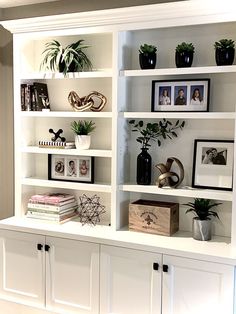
(15, 3)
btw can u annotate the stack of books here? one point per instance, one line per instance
(51, 144)
(55, 207)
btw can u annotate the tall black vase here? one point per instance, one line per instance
(224, 56)
(147, 60)
(183, 59)
(144, 166)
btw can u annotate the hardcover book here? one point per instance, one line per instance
(41, 96)
(51, 198)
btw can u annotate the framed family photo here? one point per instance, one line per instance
(213, 164)
(71, 168)
(180, 95)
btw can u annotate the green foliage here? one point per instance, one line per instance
(146, 49)
(224, 44)
(82, 127)
(54, 54)
(152, 131)
(202, 208)
(185, 47)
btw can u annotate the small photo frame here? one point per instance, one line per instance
(213, 164)
(180, 95)
(71, 168)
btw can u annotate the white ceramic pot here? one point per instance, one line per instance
(82, 141)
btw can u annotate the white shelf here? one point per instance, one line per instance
(180, 71)
(179, 115)
(66, 114)
(181, 192)
(106, 188)
(74, 152)
(72, 75)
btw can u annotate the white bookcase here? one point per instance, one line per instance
(114, 37)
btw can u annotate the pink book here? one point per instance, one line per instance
(51, 198)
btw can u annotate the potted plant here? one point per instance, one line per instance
(184, 55)
(147, 133)
(147, 56)
(69, 59)
(224, 51)
(202, 221)
(82, 129)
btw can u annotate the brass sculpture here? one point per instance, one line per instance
(87, 102)
(166, 176)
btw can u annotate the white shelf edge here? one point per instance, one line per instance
(100, 73)
(180, 115)
(73, 151)
(65, 114)
(182, 192)
(180, 71)
(67, 185)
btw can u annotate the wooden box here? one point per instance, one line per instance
(154, 217)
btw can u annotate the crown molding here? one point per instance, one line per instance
(147, 16)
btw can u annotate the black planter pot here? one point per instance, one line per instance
(183, 59)
(224, 56)
(147, 60)
(61, 66)
(144, 166)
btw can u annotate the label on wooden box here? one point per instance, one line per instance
(154, 217)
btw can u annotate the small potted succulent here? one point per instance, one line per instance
(184, 55)
(147, 56)
(147, 133)
(202, 208)
(224, 52)
(69, 59)
(82, 129)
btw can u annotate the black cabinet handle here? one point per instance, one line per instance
(39, 246)
(46, 247)
(165, 268)
(155, 266)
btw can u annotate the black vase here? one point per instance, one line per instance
(144, 166)
(183, 59)
(224, 56)
(147, 60)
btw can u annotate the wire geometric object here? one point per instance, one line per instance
(90, 209)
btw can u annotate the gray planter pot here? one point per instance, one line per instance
(201, 229)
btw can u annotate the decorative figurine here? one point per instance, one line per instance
(87, 102)
(166, 176)
(90, 209)
(57, 135)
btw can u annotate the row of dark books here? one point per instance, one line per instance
(34, 97)
(54, 207)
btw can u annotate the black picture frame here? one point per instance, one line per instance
(166, 95)
(71, 168)
(213, 164)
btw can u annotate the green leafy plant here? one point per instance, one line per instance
(152, 131)
(224, 44)
(56, 57)
(146, 49)
(185, 47)
(82, 127)
(202, 208)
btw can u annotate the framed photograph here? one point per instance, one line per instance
(213, 164)
(181, 95)
(71, 168)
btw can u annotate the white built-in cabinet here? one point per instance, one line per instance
(114, 37)
(151, 283)
(48, 272)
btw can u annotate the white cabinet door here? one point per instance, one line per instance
(72, 276)
(192, 287)
(128, 282)
(22, 267)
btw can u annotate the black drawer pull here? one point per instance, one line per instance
(46, 247)
(155, 266)
(165, 268)
(39, 247)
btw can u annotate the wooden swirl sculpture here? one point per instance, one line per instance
(166, 176)
(87, 102)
